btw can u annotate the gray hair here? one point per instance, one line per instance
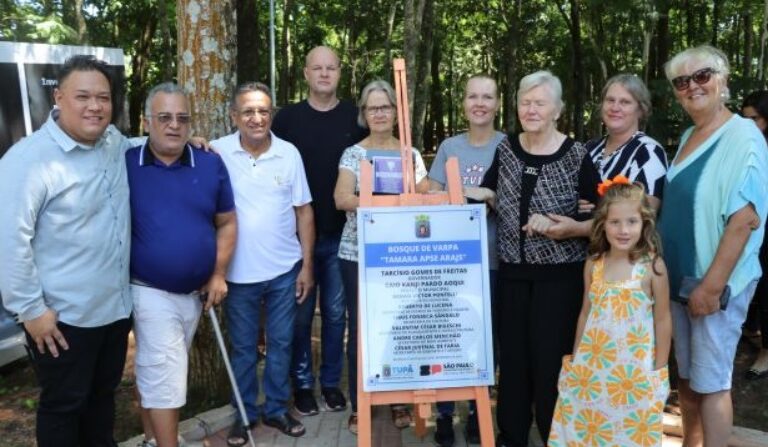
(247, 87)
(708, 54)
(636, 87)
(373, 86)
(170, 88)
(543, 77)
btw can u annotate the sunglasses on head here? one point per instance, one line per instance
(699, 76)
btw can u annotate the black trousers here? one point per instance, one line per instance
(757, 317)
(77, 397)
(537, 322)
(349, 279)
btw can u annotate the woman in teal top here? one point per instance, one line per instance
(710, 223)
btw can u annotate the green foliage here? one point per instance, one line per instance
(30, 22)
(472, 36)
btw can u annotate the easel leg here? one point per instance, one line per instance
(484, 416)
(364, 426)
(423, 412)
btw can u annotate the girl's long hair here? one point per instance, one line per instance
(649, 243)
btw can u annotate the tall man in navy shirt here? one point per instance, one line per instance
(183, 235)
(321, 127)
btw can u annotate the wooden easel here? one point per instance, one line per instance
(421, 399)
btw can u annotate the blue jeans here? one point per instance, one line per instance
(242, 309)
(333, 314)
(447, 408)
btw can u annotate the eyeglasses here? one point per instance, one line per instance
(250, 113)
(700, 77)
(383, 110)
(166, 118)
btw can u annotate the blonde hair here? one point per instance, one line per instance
(649, 243)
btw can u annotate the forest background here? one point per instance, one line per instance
(584, 42)
(209, 46)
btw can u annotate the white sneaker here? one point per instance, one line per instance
(153, 443)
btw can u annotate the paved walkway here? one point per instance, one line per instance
(327, 429)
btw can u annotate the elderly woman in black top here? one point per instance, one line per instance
(537, 173)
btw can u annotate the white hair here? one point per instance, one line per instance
(706, 54)
(543, 77)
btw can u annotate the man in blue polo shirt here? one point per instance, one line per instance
(183, 235)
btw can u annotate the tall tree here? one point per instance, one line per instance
(421, 75)
(577, 64)
(748, 41)
(207, 53)
(436, 104)
(512, 73)
(284, 90)
(763, 39)
(248, 41)
(140, 67)
(412, 17)
(716, 11)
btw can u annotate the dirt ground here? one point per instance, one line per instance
(18, 400)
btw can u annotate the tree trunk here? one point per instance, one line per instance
(662, 40)
(284, 86)
(763, 38)
(437, 97)
(388, 42)
(577, 64)
(452, 91)
(648, 40)
(511, 74)
(139, 70)
(248, 42)
(578, 72)
(690, 27)
(748, 39)
(351, 51)
(716, 10)
(168, 67)
(421, 95)
(81, 29)
(207, 52)
(413, 14)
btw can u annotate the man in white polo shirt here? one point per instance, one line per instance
(270, 265)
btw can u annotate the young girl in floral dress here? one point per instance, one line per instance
(613, 388)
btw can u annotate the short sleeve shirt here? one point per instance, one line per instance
(350, 160)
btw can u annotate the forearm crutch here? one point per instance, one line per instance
(235, 389)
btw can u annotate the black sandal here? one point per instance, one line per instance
(238, 436)
(286, 424)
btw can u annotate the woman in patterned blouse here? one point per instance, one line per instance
(625, 149)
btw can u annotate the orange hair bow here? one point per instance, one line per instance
(605, 184)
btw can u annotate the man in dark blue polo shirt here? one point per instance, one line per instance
(183, 235)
